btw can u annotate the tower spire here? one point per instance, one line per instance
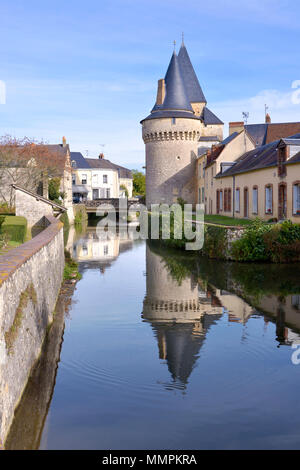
(174, 42)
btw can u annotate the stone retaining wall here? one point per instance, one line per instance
(30, 280)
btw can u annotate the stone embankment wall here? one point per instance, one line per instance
(30, 281)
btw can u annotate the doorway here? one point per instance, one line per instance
(282, 206)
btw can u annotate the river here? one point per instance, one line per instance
(165, 350)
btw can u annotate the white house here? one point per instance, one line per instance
(97, 178)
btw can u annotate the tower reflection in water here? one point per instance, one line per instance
(180, 313)
(182, 306)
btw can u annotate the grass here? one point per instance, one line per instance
(71, 268)
(224, 220)
(15, 227)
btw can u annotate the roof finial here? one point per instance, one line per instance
(182, 38)
(174, 45)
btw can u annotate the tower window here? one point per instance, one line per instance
(173, 120)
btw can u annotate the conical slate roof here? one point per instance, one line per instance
(191, 83)
(176, 97)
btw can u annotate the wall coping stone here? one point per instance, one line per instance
(16, 257)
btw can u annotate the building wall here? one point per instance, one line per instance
(30, 280)
(33, 209)
(170, 159)
(261, 179)
(237, 147)
(171, 153)
(128, 183)
(92, 183)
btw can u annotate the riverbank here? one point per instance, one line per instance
(256, 241)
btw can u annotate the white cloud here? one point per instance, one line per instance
(281, 107)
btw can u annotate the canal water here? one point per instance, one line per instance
(165, 350)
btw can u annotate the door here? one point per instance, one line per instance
(246, 203)
(282, 213)
(95, 193)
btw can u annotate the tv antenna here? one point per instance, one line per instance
(246, 117)
(266, 110)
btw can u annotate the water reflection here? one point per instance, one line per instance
(93, 252)
(191, 304)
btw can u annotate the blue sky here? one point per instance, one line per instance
(88, 70)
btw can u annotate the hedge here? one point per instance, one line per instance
(15, 227)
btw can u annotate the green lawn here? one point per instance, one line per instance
(224, 220)
(15, 227)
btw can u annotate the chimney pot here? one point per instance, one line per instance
(268, 118)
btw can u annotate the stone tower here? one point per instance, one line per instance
(172, 133)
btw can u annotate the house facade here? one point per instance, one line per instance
(263, 182)
(97, 178)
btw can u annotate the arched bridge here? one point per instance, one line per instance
(108, 205)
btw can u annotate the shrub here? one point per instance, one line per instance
(215, 242)
(251, 246)
(80, 214)
(278, 243)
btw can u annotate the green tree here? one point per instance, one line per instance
(54, 186)
(139, 183)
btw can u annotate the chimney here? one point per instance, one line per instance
(161, 92)
(235, 127)
(64, 141)
(268, 118)
(101, 156)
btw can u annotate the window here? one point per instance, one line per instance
(95, 180)
(73, 179)
(221, 200)
(269, 199)
(83, 179)
(199, 195)
(173, 120)
(203, 174)
(203, 196)
(296, 199)
(255, 200)
(296, 302)
(104, 178)
(105, 250)
(108, 193)
(237, 200)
